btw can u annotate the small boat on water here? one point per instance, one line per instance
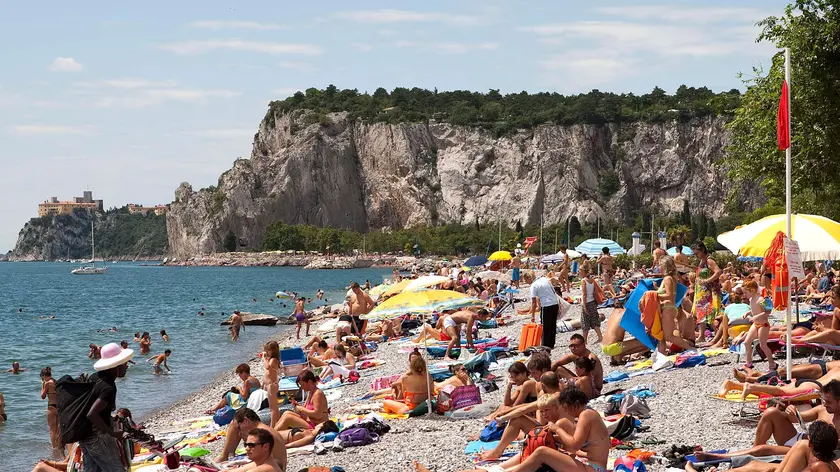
(90, 269)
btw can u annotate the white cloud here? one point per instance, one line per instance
(448, 47)
(286, 91)
(65, 64)
(686, 14)
(189, 48)
(143, 98)
(50, 130)
(588, 68)
(362, 47)
(246, 25)
(129, 83)
(406, 16)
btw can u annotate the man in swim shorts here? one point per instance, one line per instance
(300, 315)
(658, 252)
(779, 424)
(452, 328)
(614, 344)
(515, 265)
(160, 359)
(236, 324)
(360, 304)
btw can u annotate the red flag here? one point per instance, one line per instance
(783, 127)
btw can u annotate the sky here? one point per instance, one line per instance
(131, 99)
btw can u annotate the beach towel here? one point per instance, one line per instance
(631, 320)
(474, 447)
(649, 308)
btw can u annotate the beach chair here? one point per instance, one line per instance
(293, 361)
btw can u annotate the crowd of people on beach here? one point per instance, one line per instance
(684, 307)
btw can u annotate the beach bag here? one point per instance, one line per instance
(465, 396)
(536, 438)
(599, 293)
(633, 405)
(444, 400)
(613, 406)
(493, 431)
(73, 398)
(224, 415)
(625, 428)
(359, 436)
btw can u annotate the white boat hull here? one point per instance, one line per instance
(89, 271)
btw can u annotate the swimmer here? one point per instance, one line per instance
(161, 359)
(145, 343)
(15, 368)
(136, 337)
(124, 345)
(164, 336)
(94, 351)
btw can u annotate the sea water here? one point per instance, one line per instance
(134, 298)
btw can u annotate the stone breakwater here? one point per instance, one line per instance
(279, 259)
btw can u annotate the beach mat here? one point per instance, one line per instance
(474, 447)
(694, 460)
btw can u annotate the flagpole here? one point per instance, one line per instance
(789, 343)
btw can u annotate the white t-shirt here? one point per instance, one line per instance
(590, 291)
(542, 289)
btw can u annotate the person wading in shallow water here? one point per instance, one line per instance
(48, 393)
(236, 325)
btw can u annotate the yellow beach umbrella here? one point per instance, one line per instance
(421, 302)
(500, 256)
(818, 236)
(396, 288)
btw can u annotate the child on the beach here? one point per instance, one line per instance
(160, 359)
(760, 325)
(589, 318)
(270, 382)
(300, 315)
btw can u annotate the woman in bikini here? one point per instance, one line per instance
(460, 377)
(48, 393)
(526, 390)
(827, 336)
(585, 381)
(270, 382)
(342, 364)
(760, 326)
(588, 434)
(668, 306)
(415, 387)
(313, 412)
(565, 264)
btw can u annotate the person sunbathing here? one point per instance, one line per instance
(578, 349)
(306, 437)
(231, 398)
(588, 435)
(460, 377)
(779, 424)
(814, 370)
(525, 417)
(341, 364)
(384, 331)
(815, 454)
(415, 387)
(525, 390)
(396, 387)
(435, 332)
(312, 346)
(801, 386)
(614, 344)
(313, 412)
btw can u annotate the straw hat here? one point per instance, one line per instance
(112, 356)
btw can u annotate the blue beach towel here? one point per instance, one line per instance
(631, 321)
(474, 447)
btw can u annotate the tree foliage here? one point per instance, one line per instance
(810, 28)
(507, 113)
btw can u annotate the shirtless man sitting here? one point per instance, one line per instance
(259, 445)
(614, 344)
(244, 422)
(577, 346)
(452, 328)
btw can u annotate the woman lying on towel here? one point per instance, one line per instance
(816, 369)
(827, 336)
(313, 412)
(415, 387)
(799, 387)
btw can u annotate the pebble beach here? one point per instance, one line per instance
(683, 412)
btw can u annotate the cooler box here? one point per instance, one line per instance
(293, 361)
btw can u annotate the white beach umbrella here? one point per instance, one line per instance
(425, 282)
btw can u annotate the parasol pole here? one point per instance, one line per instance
(428, 368)
(788, 344)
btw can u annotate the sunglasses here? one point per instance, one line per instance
(250, 445)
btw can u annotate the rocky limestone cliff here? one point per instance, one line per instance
(118, 236)
(365, 176)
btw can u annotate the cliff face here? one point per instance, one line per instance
(118, 236)
(366, 176)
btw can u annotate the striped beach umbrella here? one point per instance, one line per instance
(818, 236)
(672, 251)
(421, 302)
(595, 247)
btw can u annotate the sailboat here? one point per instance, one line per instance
(90, 269)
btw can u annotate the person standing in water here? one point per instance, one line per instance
(300, 315)
(236, 325)
(48, 393)
(164, 336)
(160, 359)
(3, 416)
(15, 368)
(145, 343)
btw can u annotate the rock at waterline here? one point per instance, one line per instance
(255, 319)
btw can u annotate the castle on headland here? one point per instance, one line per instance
(53, 207)
(157, 209)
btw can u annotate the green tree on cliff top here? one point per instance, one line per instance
(810, 28)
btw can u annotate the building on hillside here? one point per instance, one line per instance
(143, 210)
(54, 207)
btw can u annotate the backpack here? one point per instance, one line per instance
(74, 398)
(537, 437)
(357, 437)
(493, 431)
(224, 415)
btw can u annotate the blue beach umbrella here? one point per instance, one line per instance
(672, 251)
(594, 247)
(475, 261)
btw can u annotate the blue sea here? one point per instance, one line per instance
(134, 298)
